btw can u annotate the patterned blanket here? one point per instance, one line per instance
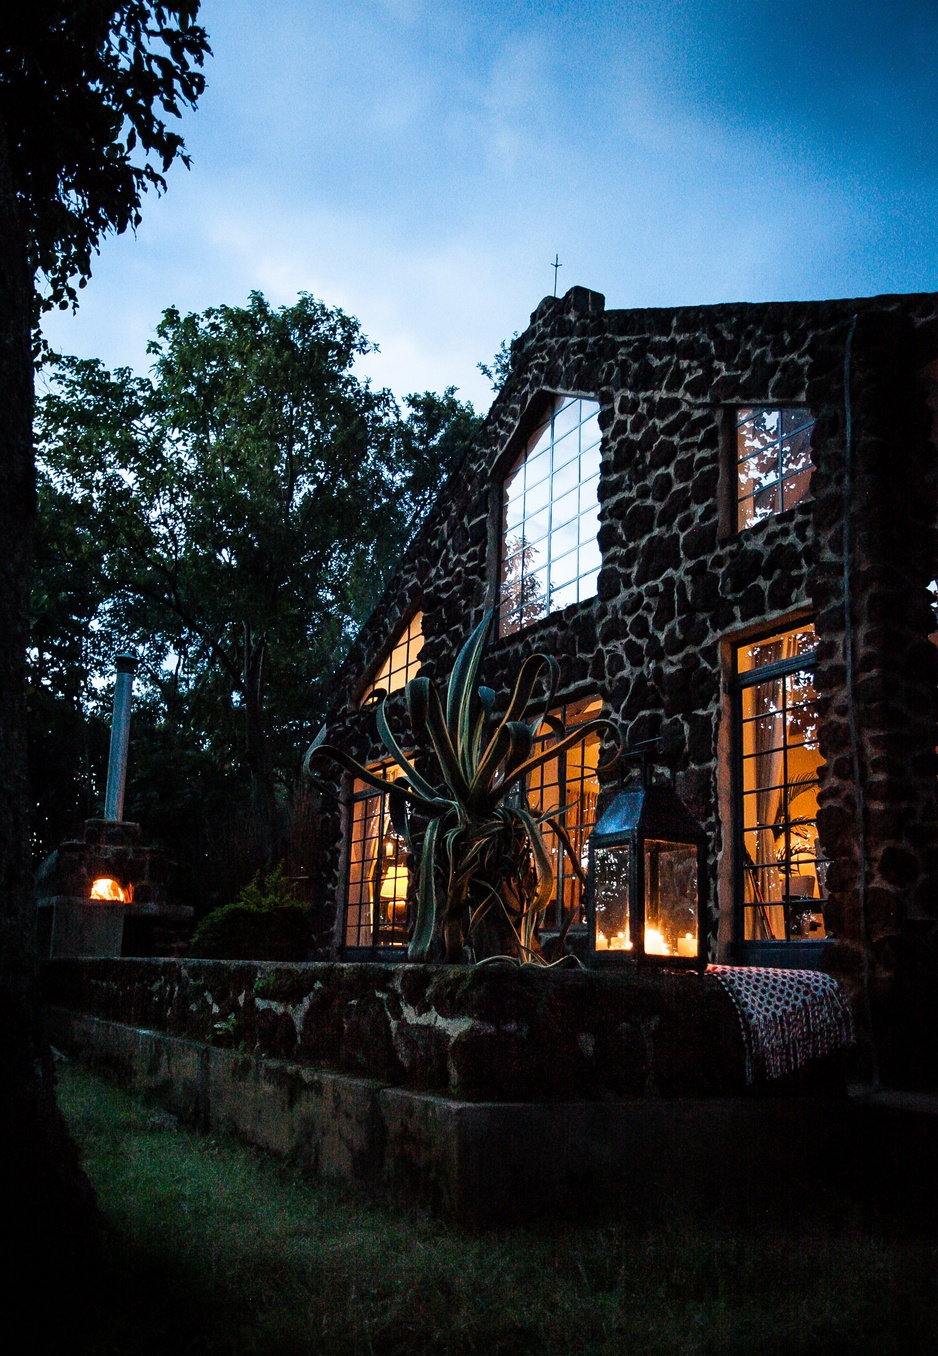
(787, 1016)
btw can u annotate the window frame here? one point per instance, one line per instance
(732, 425)
(540, 412)
(555, 909)
(373, 948)
(787, 953)
(366, 693)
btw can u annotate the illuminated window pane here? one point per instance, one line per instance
(566, 787)
(783, 872)
(550, 508)
(402, 664)
(378, 875)
(773, 461)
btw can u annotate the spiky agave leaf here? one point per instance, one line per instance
(577, 734)
(419, 784)
(527, 680)
(424, 804)
(462, 696)
(425, 920)
(445, 750)
(545, 881)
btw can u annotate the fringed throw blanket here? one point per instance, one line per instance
(787, 1016)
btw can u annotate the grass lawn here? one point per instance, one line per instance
(215, 1248)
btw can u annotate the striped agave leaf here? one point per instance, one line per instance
(484, 876)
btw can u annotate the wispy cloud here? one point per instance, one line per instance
(419, 165)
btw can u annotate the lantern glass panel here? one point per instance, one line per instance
(611, 894)
(670, 898)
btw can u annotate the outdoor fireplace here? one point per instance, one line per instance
(103, 894)
(647, 880)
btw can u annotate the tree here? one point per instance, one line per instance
(247, 501)
(86, 88)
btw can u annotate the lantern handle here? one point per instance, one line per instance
(639, 753)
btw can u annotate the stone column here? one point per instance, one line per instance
(879, 711)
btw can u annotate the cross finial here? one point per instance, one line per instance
(555, 266)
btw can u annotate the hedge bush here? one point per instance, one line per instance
(265, 922)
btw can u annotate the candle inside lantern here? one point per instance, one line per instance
(655, 944)
(687, 945)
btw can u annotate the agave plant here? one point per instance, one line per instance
(485, 875)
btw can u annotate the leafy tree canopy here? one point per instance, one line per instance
(237, 513)
(86, 91)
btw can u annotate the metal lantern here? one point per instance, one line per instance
(647, 882)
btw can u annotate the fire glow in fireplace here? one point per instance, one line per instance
(106, 887)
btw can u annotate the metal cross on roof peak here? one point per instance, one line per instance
(555, 266)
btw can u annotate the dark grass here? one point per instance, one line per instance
(214, 1248)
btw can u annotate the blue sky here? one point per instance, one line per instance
(419, 162)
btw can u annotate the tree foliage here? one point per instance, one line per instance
(243, 504)
(86, 89)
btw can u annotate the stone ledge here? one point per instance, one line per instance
(719, 1159)
(490, 1034)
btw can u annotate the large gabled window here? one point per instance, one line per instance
(401, 663)
(550, 516)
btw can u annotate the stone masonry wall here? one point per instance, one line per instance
(481, 1035)
(678, 583)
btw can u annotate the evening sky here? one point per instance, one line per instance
(419, 162)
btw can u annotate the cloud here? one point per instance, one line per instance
(419, 165)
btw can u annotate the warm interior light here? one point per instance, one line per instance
(687, 945)
(619, 941)
(105, 887)
(655, 945)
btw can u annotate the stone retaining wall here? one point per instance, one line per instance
(490, 1034)
(651, 1160)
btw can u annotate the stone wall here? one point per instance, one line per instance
(484, 1035)
(678, 584)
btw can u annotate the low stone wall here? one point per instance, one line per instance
(650, 1160)
(489, 1034)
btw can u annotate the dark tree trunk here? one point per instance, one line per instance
(49, 1212)
(259, 761)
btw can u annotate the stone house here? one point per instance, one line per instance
(721, 520)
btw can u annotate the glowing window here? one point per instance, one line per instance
(773, 461)
(401, 664)
(783, 874)
(550, 556)
(378, 873)
(566, 787)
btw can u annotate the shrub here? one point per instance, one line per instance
(265, 922)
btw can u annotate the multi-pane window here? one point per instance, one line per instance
(378, 875)
(782, 872)
(773, 460)
(550, 556)
(566, 788)
(401, 664)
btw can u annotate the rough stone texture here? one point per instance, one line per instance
(480, 1035)
(678, 583)
(648, 1159)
